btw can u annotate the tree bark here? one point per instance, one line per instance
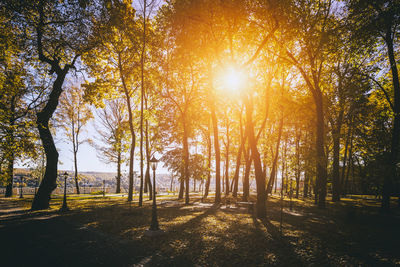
(275, 162)
(182, 185)
(10, 155)
(236, 175)
(298, 136)
(141, 102)
(186, 159)
(207, 188)
(227, 161)
(76, 173)
(118, 189)
(217, 155)
(391, 177)
(10, 174)
(321, 158)
(48, 184)
(246, 177)
(259, 174)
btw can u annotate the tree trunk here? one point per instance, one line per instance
(182, 186)
(186, 158)
(10, 174)
(10, 155)
(391, 177)
(227, 161)
(321, 159)
(48, 184)
(118, 189)
(236, 175)
(246, 177)
(335, 167)
(275, 162)
(147, 175)
(217, 155)
(208, 164)
(259, 174)
(76, 172)
(344, 162)
(306, 182)
(298, 164)
(142, 92)
(172, 182)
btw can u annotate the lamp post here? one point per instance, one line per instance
(154, 230)
(20, 186)
(64, 206)
(154, 221)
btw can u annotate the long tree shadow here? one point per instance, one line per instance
(343, 237)
(283, 249)
(178, 241)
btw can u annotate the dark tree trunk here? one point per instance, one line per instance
(388, 179)
(118, 189)
(236, 175)
(259, 174)
(345, 189)
(147, 175)
(298, 164)
(306, 182)
(10, 174)
(336, 136)
(207, 188)
(10, 155)
(246, 177)
(146, 184)
(344, 162)
(186, 159)
(335, 168)
(227, 161)
(275, 162)
(142, 93)
(48, 184)
(133, 141)
(182, 186)
(217, 155)
(147, 179)
(321, 178)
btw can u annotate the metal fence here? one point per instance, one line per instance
(60, 191)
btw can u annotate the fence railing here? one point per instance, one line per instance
(60, 191)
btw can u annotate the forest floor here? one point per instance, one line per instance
(110, 232)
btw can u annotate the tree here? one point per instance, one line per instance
(59, 33)
(312, 24)
(20, 95)
(112, 135)
(72, 116)
(115, 71)
(377, 23)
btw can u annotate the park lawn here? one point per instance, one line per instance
(348, 233)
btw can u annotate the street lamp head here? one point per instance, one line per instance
(65, 174)
(153, 163)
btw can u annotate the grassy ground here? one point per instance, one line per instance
(109, 231)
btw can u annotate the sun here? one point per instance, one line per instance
(232, 80)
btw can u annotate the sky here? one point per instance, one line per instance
(87, 155)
